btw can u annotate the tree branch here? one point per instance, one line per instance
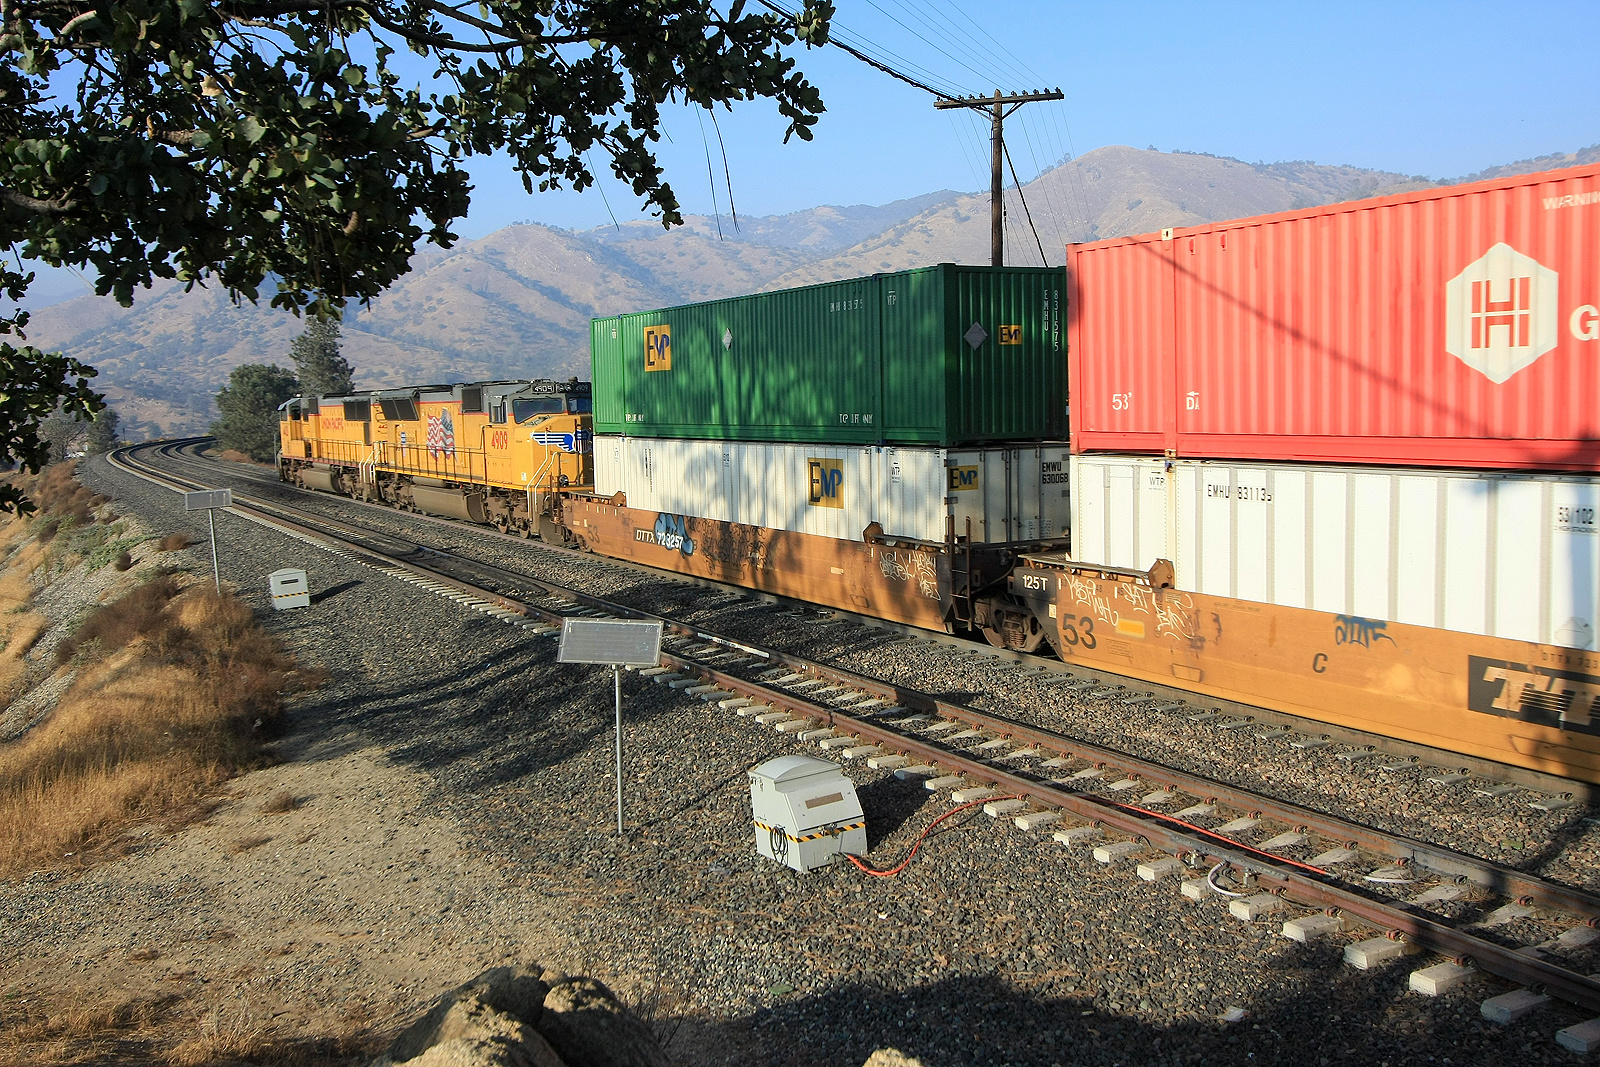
(35, 205)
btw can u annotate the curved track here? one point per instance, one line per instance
(1043, 780)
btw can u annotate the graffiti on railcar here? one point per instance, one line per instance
(1354, 630)
(911, 565)
(1174, 613)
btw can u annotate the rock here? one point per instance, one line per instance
(589, 1028)
(488, 1022)
(891, 1057)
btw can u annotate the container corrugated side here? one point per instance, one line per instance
(609, 380)
(1447, 327)
(939, 388)
(838, 491)
(1506, 555)
(865, 361)
(789, 366)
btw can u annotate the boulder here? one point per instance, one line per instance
(588, 1027)
(891, 1057)
(490, 1021)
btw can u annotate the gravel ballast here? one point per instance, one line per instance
(443, 725)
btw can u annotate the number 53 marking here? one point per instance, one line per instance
(1070, 634)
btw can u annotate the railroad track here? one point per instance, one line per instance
(1321, 875)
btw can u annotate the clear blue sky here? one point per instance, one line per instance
(1441, 90)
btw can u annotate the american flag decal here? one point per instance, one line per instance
(441, 435)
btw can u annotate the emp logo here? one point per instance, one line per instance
(963, 479)
(827, 483)
(658, 348)
(1501, 313)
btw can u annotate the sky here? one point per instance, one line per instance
(1434, 89)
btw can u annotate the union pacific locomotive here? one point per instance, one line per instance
(491, 452)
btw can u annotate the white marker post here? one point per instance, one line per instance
(619, 643)
(208, 501)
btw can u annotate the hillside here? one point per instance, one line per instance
(517, 303)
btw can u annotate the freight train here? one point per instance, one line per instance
(1254, 503)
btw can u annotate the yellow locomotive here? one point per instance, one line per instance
(502, 453)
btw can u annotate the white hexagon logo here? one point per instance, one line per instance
(1501, 312)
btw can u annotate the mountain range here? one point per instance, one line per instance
(517, 303)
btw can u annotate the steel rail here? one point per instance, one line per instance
(1156, 831)
(1397, 919)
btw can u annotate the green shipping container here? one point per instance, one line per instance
(944, 355)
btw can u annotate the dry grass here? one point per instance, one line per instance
(57, 495)
(280, 803)
(174, 542)
(77, 1032)
(168, 1030)
(176, 692)
(233, 455)
(123, 562)
(112, 626)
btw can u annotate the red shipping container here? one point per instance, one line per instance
(1452, 327)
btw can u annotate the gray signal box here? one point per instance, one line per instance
(806, 812)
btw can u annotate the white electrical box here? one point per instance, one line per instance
(806, 812)
(290, 589)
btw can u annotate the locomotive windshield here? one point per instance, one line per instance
(523, 410)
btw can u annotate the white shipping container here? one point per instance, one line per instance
(1009, 494)
(1506, 555)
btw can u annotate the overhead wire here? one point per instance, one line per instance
(935, 22)
(1074, 178)
(1043, 260)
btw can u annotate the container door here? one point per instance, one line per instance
(1055, 496)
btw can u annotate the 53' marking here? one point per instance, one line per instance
(1071, 635)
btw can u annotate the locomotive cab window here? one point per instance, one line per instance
(357, 411)
(524, 410)
(497, 409)
(580, 405)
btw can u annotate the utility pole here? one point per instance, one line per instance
(998, 106)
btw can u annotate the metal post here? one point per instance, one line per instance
(216, 572)
(616, 674)
(997, 231)
(997, 109)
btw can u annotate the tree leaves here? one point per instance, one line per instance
(240, 141)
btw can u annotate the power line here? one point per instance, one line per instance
(1024, 200)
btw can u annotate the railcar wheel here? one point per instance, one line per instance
(1014, 627)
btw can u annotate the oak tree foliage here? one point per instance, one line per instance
(308, 147)
(249, 407)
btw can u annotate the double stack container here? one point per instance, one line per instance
(1504, 554)
(940, 356)
(1451, 327)
(991, 495)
